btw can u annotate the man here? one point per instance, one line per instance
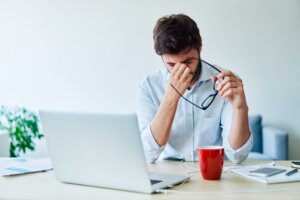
(190, 103)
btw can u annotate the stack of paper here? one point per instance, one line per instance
(14, 166)
(278, 178)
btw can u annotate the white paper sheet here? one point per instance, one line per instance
(15, 166)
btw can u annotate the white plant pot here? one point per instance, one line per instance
(4, 143)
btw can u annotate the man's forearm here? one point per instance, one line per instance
(163, 120)
(179, 80)
(240, 132)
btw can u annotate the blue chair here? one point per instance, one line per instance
(269, 143)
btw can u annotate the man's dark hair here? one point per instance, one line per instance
(175, 34)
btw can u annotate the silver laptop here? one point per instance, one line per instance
(102, 150)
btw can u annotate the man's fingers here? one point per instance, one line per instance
(228, 85)
(186, 73)
(175, 69)
(181, 70)
(213, 78)
(190, 77)
(228, 93)
(223, 82)
(225, 73)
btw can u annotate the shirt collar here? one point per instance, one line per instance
(205, 74)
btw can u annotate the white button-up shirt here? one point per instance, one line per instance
(192, 127)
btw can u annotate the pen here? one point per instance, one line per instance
(291, 172)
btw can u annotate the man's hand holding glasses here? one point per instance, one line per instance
(231, 88)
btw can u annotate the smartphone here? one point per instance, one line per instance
(267, 171)
(296, 162)
(174, 159)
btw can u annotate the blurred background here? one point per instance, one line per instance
(88, 55)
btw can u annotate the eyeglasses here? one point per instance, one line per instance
(208, 100)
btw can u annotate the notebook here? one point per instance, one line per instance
(245, 171)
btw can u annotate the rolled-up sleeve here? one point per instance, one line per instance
(234, 155)
(146, 110)
(151, 148)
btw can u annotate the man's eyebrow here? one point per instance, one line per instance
(186, 60)
(170, 63)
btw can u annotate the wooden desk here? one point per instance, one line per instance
(231, 186)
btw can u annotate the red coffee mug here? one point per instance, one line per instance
(211, 159)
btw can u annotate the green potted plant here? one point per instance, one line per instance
(22, 126)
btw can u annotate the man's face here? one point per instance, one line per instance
(186, 58)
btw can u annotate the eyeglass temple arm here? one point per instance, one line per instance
(202, 108)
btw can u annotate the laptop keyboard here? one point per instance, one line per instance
(154, 181)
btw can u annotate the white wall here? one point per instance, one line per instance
(90, 55)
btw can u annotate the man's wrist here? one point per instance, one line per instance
(171, 100)
(243, 108)
(172, 95)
